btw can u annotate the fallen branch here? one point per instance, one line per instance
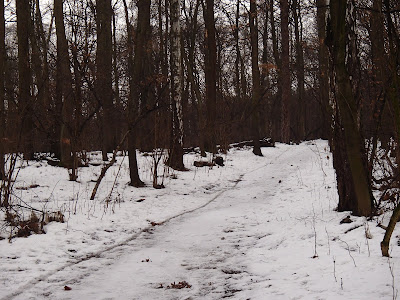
(107, 166)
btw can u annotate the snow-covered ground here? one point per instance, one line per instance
(257, 228)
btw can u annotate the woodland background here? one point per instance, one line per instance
(78, 76)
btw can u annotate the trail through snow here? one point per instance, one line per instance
(270, 233)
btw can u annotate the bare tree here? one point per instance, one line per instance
(40, 64)
(103, 84)
(176, 151)
(2, 94)
(301, 105)
(211, 76)
(25, 100)
(256, 97)
(65, 93)
(285, 72)
(137, 76)
(358, 195)
(323, 62)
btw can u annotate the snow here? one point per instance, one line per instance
(257, 228)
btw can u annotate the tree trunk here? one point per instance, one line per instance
(393, 84)
(137, 84)
(117, 111)
(323, 75)
(285, 72)
(347, 112)
(103, 87)
(275, 117)
(265, 76)
(388, 233)
(2, 94)
(40, 66)
(256, 97)
(210, 74)
(301, 105)
(64, 88)
(237, 51)
(24, 78)
(381, 80)
(176, 151)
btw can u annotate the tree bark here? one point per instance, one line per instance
(265, 75)
(137, 80)
(388, 233)
(347, 111)
(40, 66)
(393, 84)
(24, 78)
(285, 72)
(323, 71)
(301, 105)
(211, 77)
(65, 94)
(176, 151)
(2, 94)
(117, 111)
(275, 117)
(381, 80)
(103, 87)
(256, 97)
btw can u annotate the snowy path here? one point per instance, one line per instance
(206, 248)
(255, 238)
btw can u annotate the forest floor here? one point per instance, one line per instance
(257, 228)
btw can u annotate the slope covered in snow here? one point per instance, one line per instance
(257, 228)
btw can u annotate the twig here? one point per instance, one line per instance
(315, 235)
(394, 290)
(334, 268)
(329, 244)
(348, 249)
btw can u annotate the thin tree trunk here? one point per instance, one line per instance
(301, 105)
(379, 68)
(40, 65)
(136, 73)
(323, 75)
(285, 72)
(275, 118)
(388, 233)
(265, 80)
(393, 89)
(256, 97)
(118, 109)
(237, 50)
(24, 78)
(2, 94)
(44, 44)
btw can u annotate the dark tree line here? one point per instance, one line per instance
(167, 74)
